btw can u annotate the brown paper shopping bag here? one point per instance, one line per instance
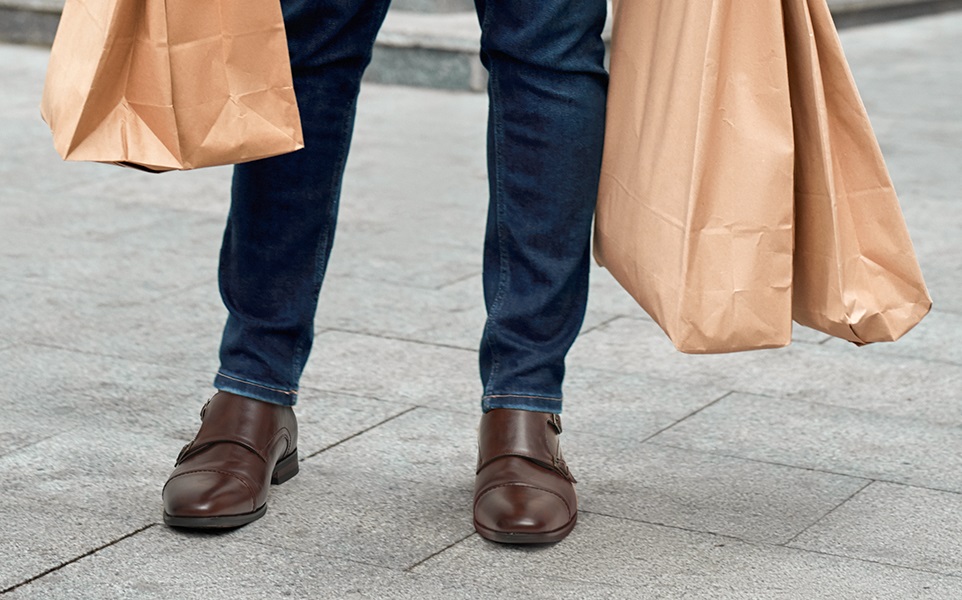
(856, 274)
(694, 213)
(171, 84)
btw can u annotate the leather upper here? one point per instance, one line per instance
(523, 485)
(226, 469)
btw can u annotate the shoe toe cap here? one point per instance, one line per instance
(207, 494)
(521, 509)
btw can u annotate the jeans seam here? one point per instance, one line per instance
(495, 99)
(258, 385)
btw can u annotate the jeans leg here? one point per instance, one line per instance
(283, 212)
(547, 90)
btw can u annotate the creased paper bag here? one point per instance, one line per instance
(694, 213)
(856, 274)
(171, 84)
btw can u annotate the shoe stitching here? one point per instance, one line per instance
(521, 484)
(261, 454)
(558, 466)
(489, 396)
(264, 387)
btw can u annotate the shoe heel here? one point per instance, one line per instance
(285, 469)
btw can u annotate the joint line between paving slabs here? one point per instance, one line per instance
(395, 338)
(823, 517)
(602, 324)
(876, 562)
(790, 466)
(776, 463)
(762, 543)
(75, 559)
(441, 551)
(324, 555)
(457, 281)
(718, 534)
(688, 416)
(362, 432)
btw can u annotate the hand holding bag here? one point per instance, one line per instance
(171, 84)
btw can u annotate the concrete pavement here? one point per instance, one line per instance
(817, 471)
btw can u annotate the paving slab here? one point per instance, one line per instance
(945, 283)
(99, 469)
(935, 339)
(391, 497)
(629, 406)
(826, 438)
(697, 491)
(50, 390)
(406, 257)
(393, 370)
(923, 159)
(98, 217)
(180, 330)
(205, 191)
(451, 316)
(325, 419)
(840, 375)
(894, 524)
(149, 399)
(126, 271)
(96, 403)
(27, 66)
(38, 536)
(104, 468)
(612, 558)
(161, 563)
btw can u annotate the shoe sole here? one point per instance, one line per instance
(507, 537)
(284, 470)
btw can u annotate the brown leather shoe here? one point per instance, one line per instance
(222, 477)
(524, 492)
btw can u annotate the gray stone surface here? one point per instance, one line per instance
(161, 564)
(433, 5)
(629, 406)
(935, 339)
(51, 390)
(697, 491)
(95, 469)
(394, 370)
(837, 374)
(690, 487)
(374, 494)
(125, 271)
(182, 329)
(40, 535)
(826, 438)
(644, 561)
(30, 26)
(894, 524)
(449, 70)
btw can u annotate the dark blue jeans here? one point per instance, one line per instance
(547, 89)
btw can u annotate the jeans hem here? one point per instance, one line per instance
(257, 391)
(521, 402)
